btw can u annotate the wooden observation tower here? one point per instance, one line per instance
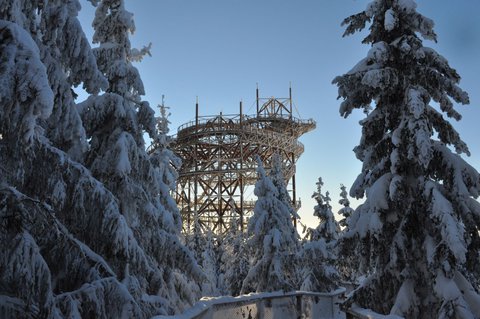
(218, 173)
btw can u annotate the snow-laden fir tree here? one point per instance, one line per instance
(25, 97)
(115, 123)
(68, 59)
(194, 238)
(277, 176)
(163, 124)
(234, 259)
(203, 244)
(318, 254)
(209, 262)
(418, 229)
(328, 228)
(59, 225)
(347, 263)
(346, 211)
(66, 249)
(61, 39)
(273, 241)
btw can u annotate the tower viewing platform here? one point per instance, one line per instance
(218, 173)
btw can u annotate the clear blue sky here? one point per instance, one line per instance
(219, 49)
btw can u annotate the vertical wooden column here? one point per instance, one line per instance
(294, 190)
(195, 185)
(220, 212)
(291, 101)
(241, 168)
(258, 102)
(189, 218)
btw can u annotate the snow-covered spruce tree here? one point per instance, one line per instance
(203, 245)
(328, 228)
(346, 211)
(273, 241)
(50, 206)
(418, 229)
(25, 96)
(69, 61)
(65, 244)
(278, 179)
(347, 262)
(60, 29)
(194, 238)
(234, 259)
(210, 265)
(115, 123)
(318, 254)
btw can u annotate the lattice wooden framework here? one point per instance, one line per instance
(219, 160)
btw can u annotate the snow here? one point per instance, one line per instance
(23, 76)
(415, 102)
(368, 313)
(471, 296)
(366, 221)
(123, 162)
(59, 193)
(380, 78)
(452, 230)
(407, 5)
(403, 298)
(466, 180)
(395, 182)
(390, 20)
(446, 287)
(377, 193)
(422, 148)
(372, 7)
(276, 238)
(359, 67)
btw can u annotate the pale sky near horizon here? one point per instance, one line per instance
(219, 49)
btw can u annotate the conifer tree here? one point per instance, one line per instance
(210, 265)
(202, 244)
(278, 179)
(273, 241)
(234, 259)
(195, 239)
(328, 228)
(25, 97)
(346, 211)
(62, 40)
(318, 254)
(115, 124)
(66, 248)
(418, 229)
(59, 225)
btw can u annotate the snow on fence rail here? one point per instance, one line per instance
(361, 313)
(278, 305)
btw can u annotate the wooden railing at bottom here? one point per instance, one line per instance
(272, 305)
